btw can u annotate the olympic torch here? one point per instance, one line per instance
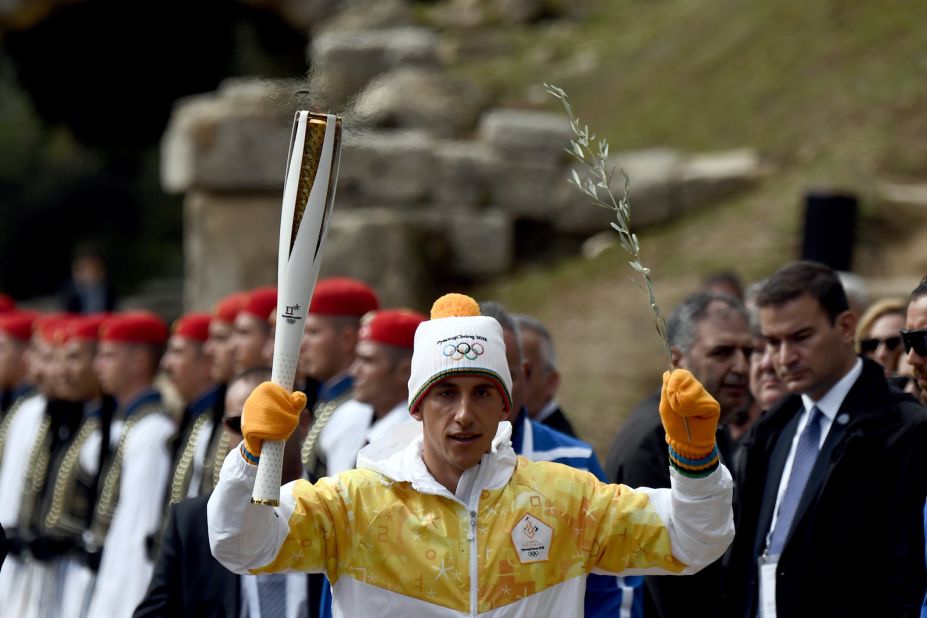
(308, 198)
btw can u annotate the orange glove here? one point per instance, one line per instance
(270, 413)
(683, 398)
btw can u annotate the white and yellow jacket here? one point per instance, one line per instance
(517, 539)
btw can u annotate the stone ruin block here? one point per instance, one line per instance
(420, 98)
(654, 176)
(709, 178)
(230, 243)
(480, 242)
(346, 60)
(526, 189)
(235, 140)
(529, 136)
(464, 173)
(381, 247)
(385, 168)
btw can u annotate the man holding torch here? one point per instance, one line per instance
(442, 519)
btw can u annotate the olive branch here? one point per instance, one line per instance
(594, 180)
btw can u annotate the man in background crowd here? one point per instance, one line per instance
(833, 477)
(132, 487)
(328, 350)
(252, 330)
(542, 380)
(189, 369)
(709, 335)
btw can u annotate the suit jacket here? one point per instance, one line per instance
(860, 519)
(187, 580)
(639, 457)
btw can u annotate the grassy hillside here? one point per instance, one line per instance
(831, 93)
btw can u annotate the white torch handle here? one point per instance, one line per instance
(298, 270)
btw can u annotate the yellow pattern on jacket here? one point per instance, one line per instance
(402, 534)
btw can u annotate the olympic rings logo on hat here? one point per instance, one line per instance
(463, 350)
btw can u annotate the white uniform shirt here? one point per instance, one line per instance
(125, 568)
(19, 443)
(343, 436)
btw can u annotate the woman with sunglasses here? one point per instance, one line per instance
(878, 336)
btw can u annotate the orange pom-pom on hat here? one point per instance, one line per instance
(343, 296)
(260, 303)
(454, 306)
(392, 327)
(18, 324)
(194, 326)
(134, 327)
(226, 310)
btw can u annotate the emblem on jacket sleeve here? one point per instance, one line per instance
(531, 538)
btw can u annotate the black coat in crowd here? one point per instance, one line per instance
(187, 580)
(856, 547)
(639, 457)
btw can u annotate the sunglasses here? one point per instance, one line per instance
(916, 340)
(233, 423)
(868, 346)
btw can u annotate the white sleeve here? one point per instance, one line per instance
(245, 536)
(697, 513)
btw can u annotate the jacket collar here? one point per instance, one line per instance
(336, 387)
(145, 398)
(399, 458)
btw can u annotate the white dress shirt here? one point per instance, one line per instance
(296, 597)
(829, 405)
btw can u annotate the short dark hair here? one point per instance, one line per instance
(800, 278)
(725, 278)
(683, 323)
(920, 290)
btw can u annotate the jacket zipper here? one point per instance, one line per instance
(473, 564)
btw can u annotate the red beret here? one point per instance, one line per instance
(193, 326)
(392, 327)
(7, 304)
(260, 303)
(18, 324)
(343, 296)
(85, 328)
(134, 327)
(49, 327)
(226, 310)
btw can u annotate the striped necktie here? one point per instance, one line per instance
(806, 453)
(272, 595)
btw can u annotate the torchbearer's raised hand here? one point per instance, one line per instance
(683, 400)
(270, 413)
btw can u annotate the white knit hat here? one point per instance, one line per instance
(457, 340)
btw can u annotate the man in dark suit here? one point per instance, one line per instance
(709, 335)
(187, 580)
(542, 380)
(833, 479)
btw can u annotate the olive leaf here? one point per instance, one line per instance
(593, 175)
